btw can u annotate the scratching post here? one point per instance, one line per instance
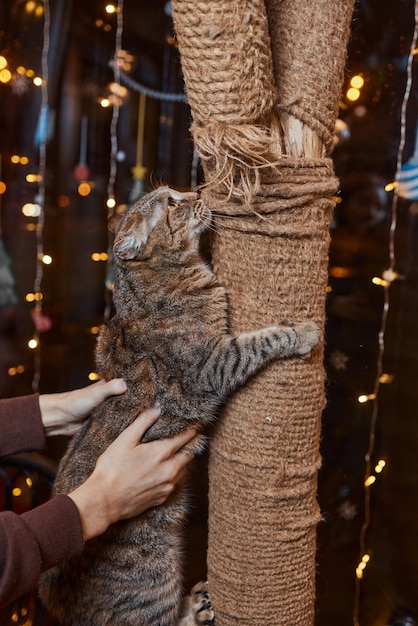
(263, 129)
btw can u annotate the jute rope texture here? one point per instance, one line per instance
(262, 125)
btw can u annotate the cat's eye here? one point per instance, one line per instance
(171, 202)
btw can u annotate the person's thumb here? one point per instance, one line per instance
(102, 390)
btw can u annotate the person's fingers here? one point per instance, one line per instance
(176, 443)
(170, 474)
(147, 418)
(135, 431)
(180, 462)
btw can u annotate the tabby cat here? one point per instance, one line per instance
(169, 340)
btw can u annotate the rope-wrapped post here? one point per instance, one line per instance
(272, 205)
(265, 453)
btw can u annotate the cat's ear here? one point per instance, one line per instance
(114, 223)
(130, 239)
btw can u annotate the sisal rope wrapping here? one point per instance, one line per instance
(225, 51)
(308, 43)
(271, 252)
(265, 452)
(239, 83)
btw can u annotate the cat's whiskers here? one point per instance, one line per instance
(215, 229)
(223, 228)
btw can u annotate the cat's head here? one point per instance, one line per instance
(164, 220)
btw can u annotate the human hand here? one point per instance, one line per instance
(131, 477)
(63, 413)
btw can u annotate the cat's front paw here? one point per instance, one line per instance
(198, 609)
(309, 335)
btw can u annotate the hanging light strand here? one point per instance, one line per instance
(40, 197)
(111, 201)
(115, 113)
(385, 311)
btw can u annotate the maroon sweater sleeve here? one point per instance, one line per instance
(20, 425)
(35, 541)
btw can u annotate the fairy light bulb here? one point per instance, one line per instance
(386, 379)
(13, 371)
(33, 178)
(84, 189)
(370, 480)
(366, 398)
(111, 202)
(33, 343)
(353, 94)
(380, 282)
(388, 277)
(99, 256)
(5, 75)
(357, 81)
(381, 464)
(34, 297)
(365, 559)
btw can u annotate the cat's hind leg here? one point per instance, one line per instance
(198, 610)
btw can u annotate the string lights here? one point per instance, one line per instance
(353, 92)
(41, 323)
(28, 78)
(111, 200)
(382, 378)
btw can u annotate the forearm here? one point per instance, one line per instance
(35, 541)
(20, 425)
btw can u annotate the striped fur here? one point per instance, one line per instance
(169, 340)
